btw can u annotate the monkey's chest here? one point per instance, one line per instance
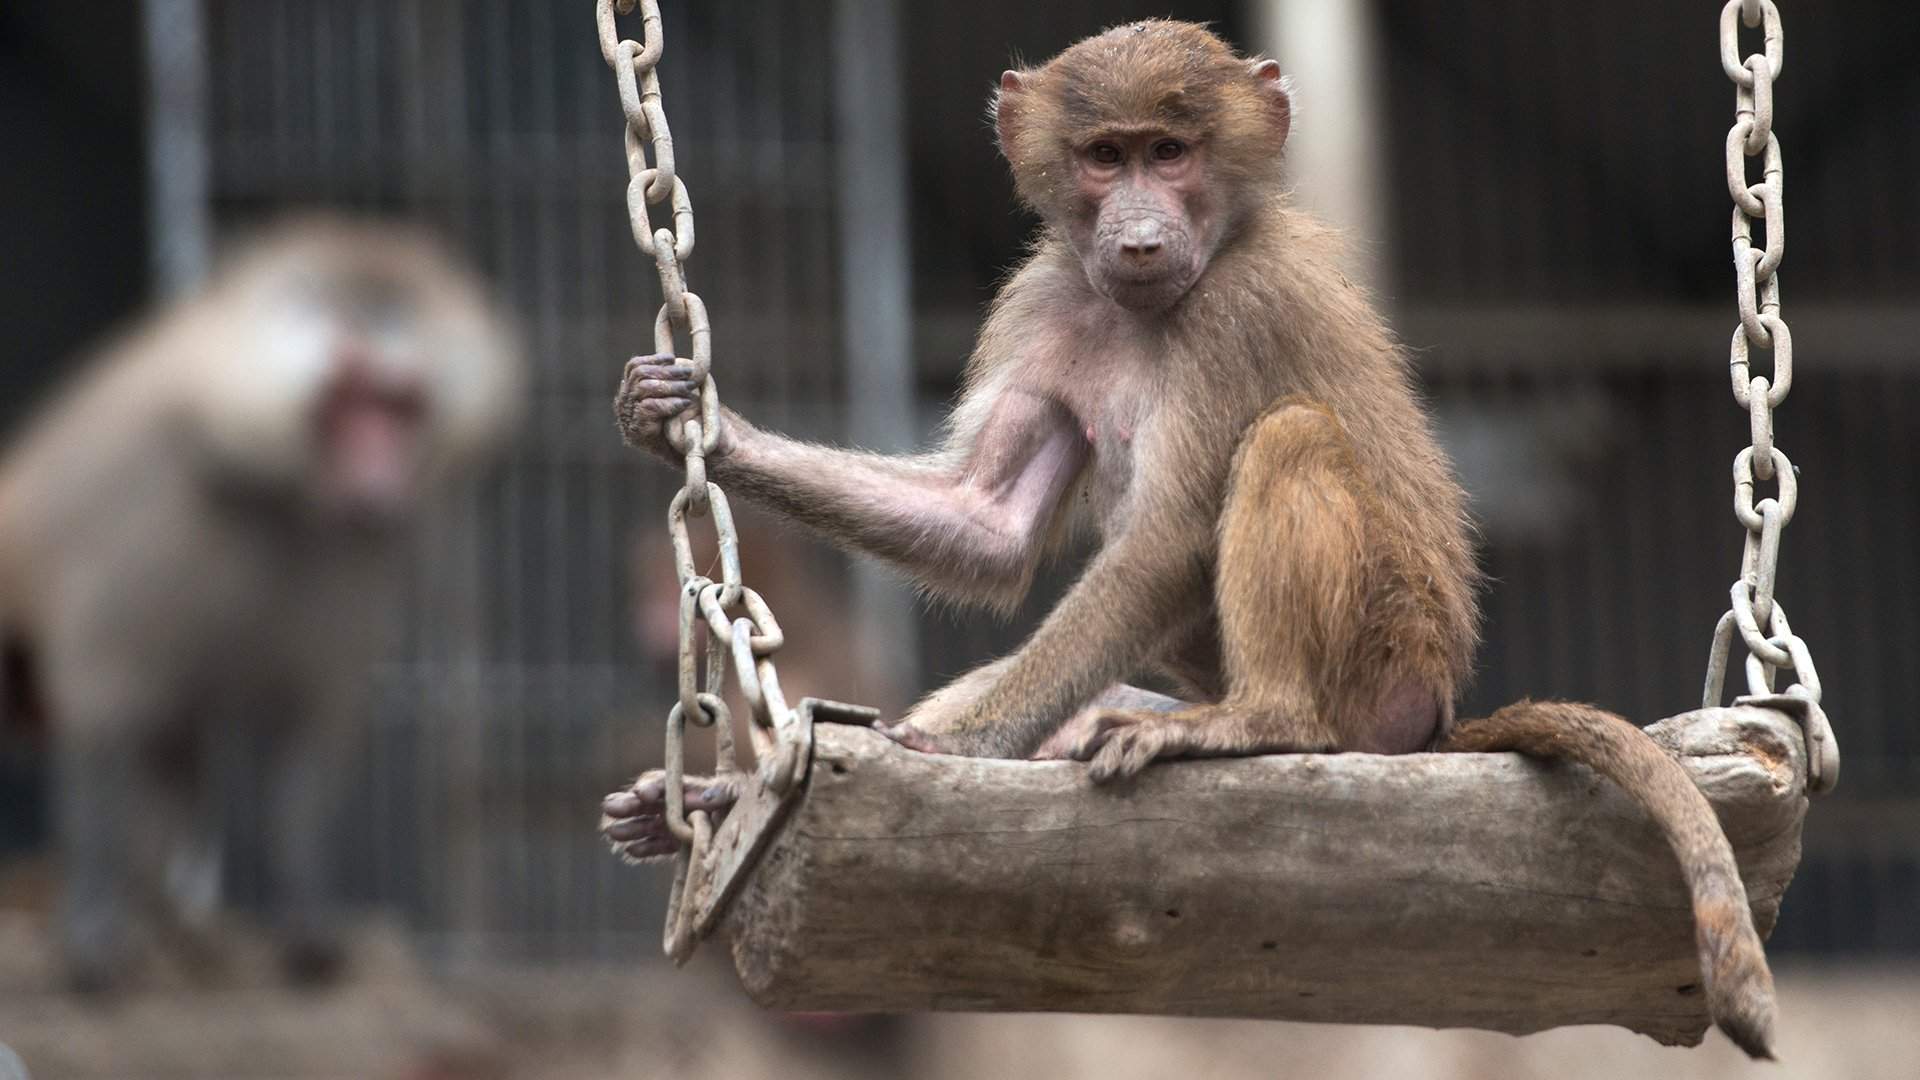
(1109, 378)
(1108, 477)
(1114, 428)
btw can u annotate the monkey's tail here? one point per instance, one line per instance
(1739, 988)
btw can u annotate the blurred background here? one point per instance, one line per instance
(1540, 196)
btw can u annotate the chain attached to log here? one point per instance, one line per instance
(749, 637)
(1756, 613)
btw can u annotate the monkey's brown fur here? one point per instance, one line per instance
(1181, 369)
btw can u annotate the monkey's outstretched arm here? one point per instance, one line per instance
(969, 521)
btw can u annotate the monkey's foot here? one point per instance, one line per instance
(1118, 743)
(1118, 698)
(634, 820)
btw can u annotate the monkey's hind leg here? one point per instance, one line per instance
(1291, 589)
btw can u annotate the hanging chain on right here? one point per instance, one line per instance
(1756, 613)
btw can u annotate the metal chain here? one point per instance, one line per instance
(1755, 612)
(751, 637)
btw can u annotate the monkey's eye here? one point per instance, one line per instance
(1168, 149)
(1105, 153)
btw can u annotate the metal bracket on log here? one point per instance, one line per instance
(755, 818)
(1823, 753)
(1447, 890)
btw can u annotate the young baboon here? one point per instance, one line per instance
(199, 555)
(1180, 370)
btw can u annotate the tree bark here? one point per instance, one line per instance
(1446, 890)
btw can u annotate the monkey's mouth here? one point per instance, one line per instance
(1145, 290)
(370, 447)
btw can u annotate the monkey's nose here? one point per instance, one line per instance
(1140, 240)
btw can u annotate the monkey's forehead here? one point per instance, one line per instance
(1119, 108)
(343, 247)
(358, 265)
(1158, 75)
(1161, 40)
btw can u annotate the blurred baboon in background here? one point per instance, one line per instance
(200, 545)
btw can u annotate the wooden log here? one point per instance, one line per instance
(1446, 890)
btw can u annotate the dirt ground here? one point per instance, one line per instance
(390, 1019)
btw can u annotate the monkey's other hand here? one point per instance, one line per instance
(1118, 743)
(918, 733)
(654, 392)
(634, 820)
(913, 737)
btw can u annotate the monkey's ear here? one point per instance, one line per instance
(1006, 109)
(1276, 89)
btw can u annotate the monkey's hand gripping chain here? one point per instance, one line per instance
(739, 625)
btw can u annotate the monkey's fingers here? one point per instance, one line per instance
(1091, 733)
(1126, 755)
(656, 376)
(653, 389)
(657, 366)
(1121, 744)
(649, 849)
(639, 418)
(638, 838)
(621, 804)
(911, 737)
(661, 397)
(636, 827)
(648, 794)
(638, 832)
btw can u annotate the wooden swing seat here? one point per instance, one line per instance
(1445, 890)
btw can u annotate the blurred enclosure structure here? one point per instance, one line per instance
(1543, 202)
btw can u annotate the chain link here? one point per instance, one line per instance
(750, 639)
(1755, 614)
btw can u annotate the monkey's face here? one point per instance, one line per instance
(1141, 221)
(369, 417)
(1145, 146)
(350, 370)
